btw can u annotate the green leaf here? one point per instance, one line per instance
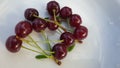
(71, 48)
(46, 17)
(40, 57)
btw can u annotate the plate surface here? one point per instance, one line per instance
(101, 49)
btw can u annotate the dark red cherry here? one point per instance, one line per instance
(53, 5)
(81, 32)
(75, 20)
(60, 51)
(67, 38)
(39, 24)
(13, 44)
(51, 25)
(30, 12)
(65, 12)
(23, 29)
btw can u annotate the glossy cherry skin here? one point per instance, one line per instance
(23, 29)
(51, 25)
(67, 38)
(30, 12)
(13, 44)
(39, 24)
(81, 32)
(65, 12)
(60, 51)
(53, 5)
(75, 20)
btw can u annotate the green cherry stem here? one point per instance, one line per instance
(80, 41)
(28, 42)
(51, 52)
(56, 22)
(56, 60)
(68, 22)
(60, 30)
(34, 51)
(58, 41)
(37, 45)
(54, 16)
(48, 56)
(51, 21)
(46, 38)
(43, 18)
(30, 49)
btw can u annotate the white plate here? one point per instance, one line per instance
(101, 49)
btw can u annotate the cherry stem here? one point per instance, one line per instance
(37, 45)
(68, 23)
(35, 51)
(46, 38)
(43, 18)
(59, 30)
(51, 21)
(80, 41)
(56, 60)
(30, 49)
(28, 42)
(54, 16)
(52, 57)
(56, 22)
(51, 52)
(58, 41)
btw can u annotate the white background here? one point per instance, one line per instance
(101, 49)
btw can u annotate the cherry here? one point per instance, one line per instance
(29, 14)
(65, 12)
(60, 51)
(39, 24)
(51, 25)
(81, 32)
(23, 29)
(13, 44)
(67, 38)
(53, 5)
(75, 20)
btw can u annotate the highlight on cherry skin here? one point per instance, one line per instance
(51, 25)
(60, 51)
(39, 24)
(53, 5)
(67, 38)
(65, 12)
(75, 20)
(30, 12)
(23, 29)
(13, 44)
(80, 32)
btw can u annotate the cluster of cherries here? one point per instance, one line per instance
(53, 23)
